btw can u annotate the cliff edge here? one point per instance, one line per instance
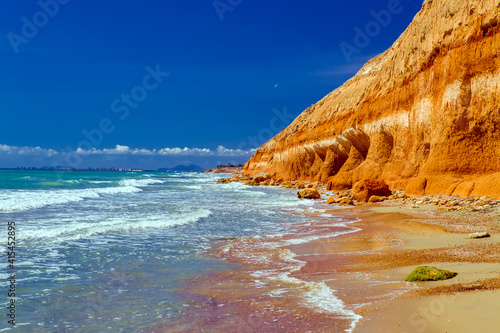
(423, 116)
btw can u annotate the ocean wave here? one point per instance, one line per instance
(316, 295)
(191, 187)
(279, 263)
(22, 200)
(70, 231)
(140, 182)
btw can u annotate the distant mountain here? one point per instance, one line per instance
(184, 168)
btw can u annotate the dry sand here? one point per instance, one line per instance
(365, 269)
(470, 302)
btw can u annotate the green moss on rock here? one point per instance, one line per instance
(224, 181)
(429, 273)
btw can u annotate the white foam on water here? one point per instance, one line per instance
(62, 230)
(22, 200)
(316, 295)
(322, 297)
(140, 182)
(307, 239)
(192, 187)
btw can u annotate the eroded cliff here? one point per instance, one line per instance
(424, 115)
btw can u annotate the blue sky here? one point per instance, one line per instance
(159, 83)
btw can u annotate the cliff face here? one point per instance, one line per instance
(424, 115)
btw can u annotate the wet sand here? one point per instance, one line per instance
(470, 302)
(401, 239)
(363, 270)
(262, 293)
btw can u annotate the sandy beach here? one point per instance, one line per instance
(360, 256)
(401, 238)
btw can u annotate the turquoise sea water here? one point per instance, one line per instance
(109, 251)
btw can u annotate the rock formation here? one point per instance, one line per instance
(308, 193)
(423, 116)
(363, 190)
(429, 273)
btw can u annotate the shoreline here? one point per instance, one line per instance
(402, 238)
(365, 270)
(262, 293)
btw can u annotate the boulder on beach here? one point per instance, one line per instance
(300, 185)
(308, 193)
(364, 189)
(429, 273)
(376, 198)
(422, 115)
(477, 235)
(331, 201)
(259, 179)
(346, 202)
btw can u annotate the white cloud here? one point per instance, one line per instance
(185, 151)
(127, 151)
(27, 151)
(118, 150)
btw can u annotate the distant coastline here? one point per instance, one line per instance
(229, 168)
(73, 169)
(179, 168)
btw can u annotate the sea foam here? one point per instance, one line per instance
(64, 231)
(22, 200)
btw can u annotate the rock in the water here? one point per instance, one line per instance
(331, 201)
(259, 179)
(224, 181)
(477, 235)
(346, 202)
(308, 193)
(364, 189)
(429, 273)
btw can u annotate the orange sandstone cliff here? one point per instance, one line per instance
(424, 115)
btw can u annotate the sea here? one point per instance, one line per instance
(122, 251)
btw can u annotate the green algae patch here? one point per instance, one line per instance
(429, 273)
